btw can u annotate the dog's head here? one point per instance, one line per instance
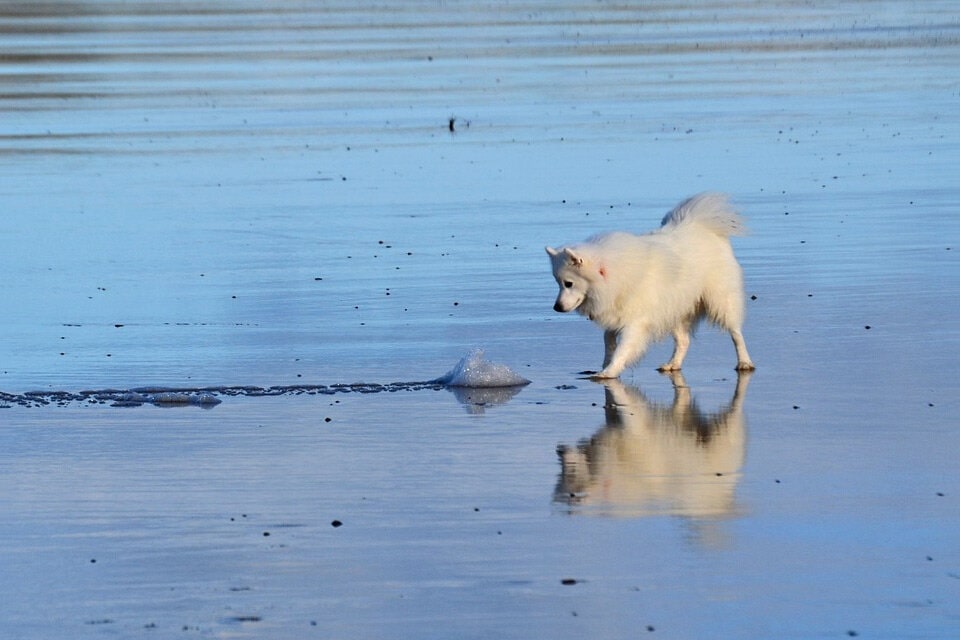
(574, 275)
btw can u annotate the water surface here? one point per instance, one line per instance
(238, 195)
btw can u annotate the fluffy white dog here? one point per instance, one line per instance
(640, 288)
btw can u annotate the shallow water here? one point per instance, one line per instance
(235, 195)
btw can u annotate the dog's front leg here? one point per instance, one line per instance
(609, 345)
(630, 346)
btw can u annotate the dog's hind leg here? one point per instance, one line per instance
(727, 312)
(631, 345)
(744, 363)
(681, 339)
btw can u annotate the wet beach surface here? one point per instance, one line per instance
(303, 211)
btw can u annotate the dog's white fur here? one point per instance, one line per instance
(639, 288)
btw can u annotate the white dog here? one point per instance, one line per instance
(641, 288)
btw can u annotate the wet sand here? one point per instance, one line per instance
(225, 198)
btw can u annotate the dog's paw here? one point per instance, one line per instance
(745, 366)
(668, 367)
(606, 374)
(596, 376)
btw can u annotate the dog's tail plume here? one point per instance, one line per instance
(710, 209)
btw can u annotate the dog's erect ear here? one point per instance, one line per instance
(572, 257)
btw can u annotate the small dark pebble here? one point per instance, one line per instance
(651, 628)
(852, 633)
(753, 297)
(867, 327)
(336, 523)
(266, 534)
(568, 581)
(328, 419)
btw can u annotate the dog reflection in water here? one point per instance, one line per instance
(657, 459)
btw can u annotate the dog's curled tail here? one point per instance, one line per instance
(710, 209)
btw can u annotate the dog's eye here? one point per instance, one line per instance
(567, 284)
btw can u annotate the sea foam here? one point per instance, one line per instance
(496, 383)
(475, 371)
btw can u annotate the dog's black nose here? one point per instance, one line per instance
(557, 307)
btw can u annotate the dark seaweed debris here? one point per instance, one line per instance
(205, 397)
